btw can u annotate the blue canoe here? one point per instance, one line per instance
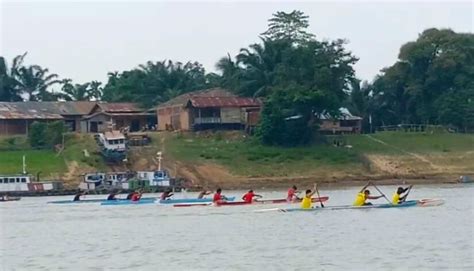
(88, 201)
(409, 203)
(175, 201)
(129, 202)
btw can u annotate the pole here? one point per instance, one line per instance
(24, 164)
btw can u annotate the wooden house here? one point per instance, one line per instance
(207, 109)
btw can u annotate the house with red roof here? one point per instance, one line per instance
(208, 109)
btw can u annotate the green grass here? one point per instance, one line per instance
(247, 157)
(47, 161)
(423, 143)
(44, 161)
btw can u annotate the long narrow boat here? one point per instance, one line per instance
(129, 202)
(10, 199)
(90, 201)
(266, 201)
(409, 203)
(177, 201)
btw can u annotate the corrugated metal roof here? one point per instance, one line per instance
(119, 107)
(29, 110)
(183, 99)
(223, 102)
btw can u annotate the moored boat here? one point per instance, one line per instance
(5, 199)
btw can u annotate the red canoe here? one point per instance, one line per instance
(265, 201)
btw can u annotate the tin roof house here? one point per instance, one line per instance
(206, 109)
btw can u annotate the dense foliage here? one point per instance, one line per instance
(431, 83)
(153, 83)
(297, 76)
(46, 135)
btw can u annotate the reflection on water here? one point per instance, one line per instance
(39, 236)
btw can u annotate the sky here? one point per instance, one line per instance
(84, 40)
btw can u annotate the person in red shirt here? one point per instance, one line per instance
(248, 197)
(136, 196)
(218, 197)
(292, 194)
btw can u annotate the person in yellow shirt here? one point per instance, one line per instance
(307, 203)
(397, 198)
(363, 196)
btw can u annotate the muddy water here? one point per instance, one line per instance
(39, 236)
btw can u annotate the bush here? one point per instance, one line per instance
(46, 135)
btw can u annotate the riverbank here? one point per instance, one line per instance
(232, 160)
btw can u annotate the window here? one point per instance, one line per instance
(18, 180)
(1, 180)
(23, 180)
(12, 180)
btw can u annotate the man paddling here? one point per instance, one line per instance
(307, 202)
(167, 194)
(78, 196)
(137, 196)
(112, 195)
(218, 197)
(248, 197)
(363, 196)
(292, 194)
(204, 193)
(398, 198)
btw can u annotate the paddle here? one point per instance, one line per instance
(382, 193)
(317, 192)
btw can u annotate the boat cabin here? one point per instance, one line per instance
(17, 183)
(113, 140)
(156, 178)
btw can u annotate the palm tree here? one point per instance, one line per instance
(81, 92)
(34, 82)
(8, 84)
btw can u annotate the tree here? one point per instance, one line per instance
(81, 92)
(430, 83)
(298, 77)
(288, 26)
(9, 91)
(34, 82)
(155, 82)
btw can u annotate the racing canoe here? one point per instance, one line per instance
(266, 201)
(409, 203)
(10, 199)
(129, 202)
(89, 201)
(190, 201)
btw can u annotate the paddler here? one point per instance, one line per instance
(363, 196)
(112, 195)
(78, 196)
(248, 197)
(137, 196)
(292, 194)
(218, 197)
(204, 193)
(307, 203)
(167, 194)
(130, 195)
(398, 198)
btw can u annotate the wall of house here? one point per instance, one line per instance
(231, 115)
(176, 116)
(13, 127)
(102, 122)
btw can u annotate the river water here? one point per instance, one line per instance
(39, 236)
